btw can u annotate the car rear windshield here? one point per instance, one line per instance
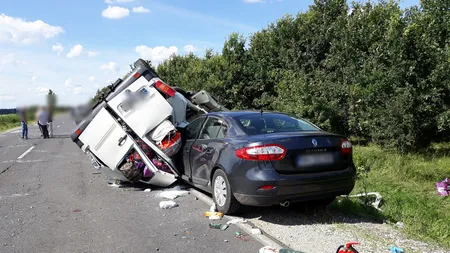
(272, 123)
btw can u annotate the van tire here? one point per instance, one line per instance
(231, 204)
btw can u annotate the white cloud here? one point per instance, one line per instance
(33, 79)
(7, 97)
(110, 67)
(79, 89)
(42, 90)
(58, 48)
(92, 78)
(118, 1)
(75, 51)
(68, 83)
(115, 12)
(11, 60)
(253, 1)
(140, 9)
(18, 31)
(92, 53)
(156, 54)
(190, 49)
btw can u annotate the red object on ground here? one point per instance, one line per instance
(348, 248)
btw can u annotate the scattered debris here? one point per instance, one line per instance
(76, 211)
(167, 204)
(256, 231)
(225, 240)
(400, 224)
(214, 215)
(443, 187)
(241, 236)
(148, 190)
(218, 226)
(174, 193)
(237, 220)
(375, 204)
(213, 208)
(268, 249)
(96, 173)
(395, 249)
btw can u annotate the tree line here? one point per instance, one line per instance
(372, 70)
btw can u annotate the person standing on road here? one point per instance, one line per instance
(42, 119)
(24, 123)
(50, 122)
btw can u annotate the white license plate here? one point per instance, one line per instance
(312, 159)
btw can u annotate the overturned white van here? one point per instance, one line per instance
(131, 122)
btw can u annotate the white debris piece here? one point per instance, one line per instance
(268, 249)
(400, 224)
(375, 204)
(236, 221)
(148, 190)
(173, 194)
(167, 204)
(213, 208)
(256, 231)
(215, 217)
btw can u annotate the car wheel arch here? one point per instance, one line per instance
(214, 169)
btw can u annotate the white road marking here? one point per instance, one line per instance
(265, 240)
(22, 161)
(15, 195)
(19, 145)
(25, 153)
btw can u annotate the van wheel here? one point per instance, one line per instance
(223, 195)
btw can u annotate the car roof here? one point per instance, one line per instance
(234, 114)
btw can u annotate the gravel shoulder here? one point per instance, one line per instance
(324, 231)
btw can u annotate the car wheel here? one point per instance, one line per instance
(223, 195)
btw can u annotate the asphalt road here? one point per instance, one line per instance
(51, 200)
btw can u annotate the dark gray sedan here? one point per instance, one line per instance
(263, 159)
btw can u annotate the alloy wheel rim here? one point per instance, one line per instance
(220, 191)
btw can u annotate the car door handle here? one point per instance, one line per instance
(122, 140)
(203, 147)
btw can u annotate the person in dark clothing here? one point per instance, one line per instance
(24, 123)
(42, 120)
(50, 122)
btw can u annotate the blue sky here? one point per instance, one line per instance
(76, 47)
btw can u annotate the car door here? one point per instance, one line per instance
(191, 133)
(205, 151)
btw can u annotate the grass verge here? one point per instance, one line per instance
(407, 184)
(9, 121)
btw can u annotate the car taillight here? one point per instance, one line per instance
(136, 75)
(78, 132)
(165, 88)
(271, 152)
(346, 146)
(266, 187)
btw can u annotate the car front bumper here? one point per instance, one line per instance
(292, 188)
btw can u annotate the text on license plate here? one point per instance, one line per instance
(312, 159)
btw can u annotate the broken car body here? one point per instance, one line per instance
(144, 130)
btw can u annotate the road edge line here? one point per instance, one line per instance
(263, 239)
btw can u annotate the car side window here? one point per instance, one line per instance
(213, 129)
(193, 128)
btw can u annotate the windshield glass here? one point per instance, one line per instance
(256, 123)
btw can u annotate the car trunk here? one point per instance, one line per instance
(309, 152)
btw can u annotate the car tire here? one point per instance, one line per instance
(227, 204)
